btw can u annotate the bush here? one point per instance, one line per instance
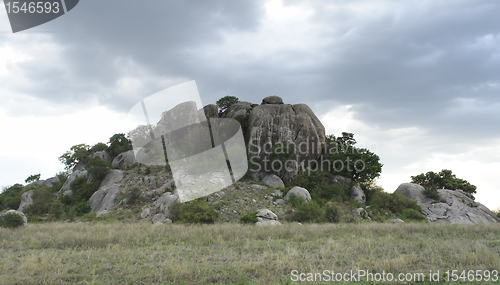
(445, 179)
(332, 212)
(98, 168)
(249, 218)
(133, 195)
(197, 212)
(82, 190)
(11, 220)
(319, 185)
(11, 197)
(431, 192)
(98, 147)
(118, 143)
(395, 202)
(309, 212)
(42, 201)
(412, 214)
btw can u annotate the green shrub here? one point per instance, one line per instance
(249, 218)
(431, 192)
(197, 212)
(395, 202)
(83, 190)
(11, 197)
(98, 147)
(412, 214)
(11, 220)
(98, 168)
(333, 212)
(56, 209)
(82, 207)
(309, 212)
(133, 195)
(175, 212)
(42, 201)
(118, 143)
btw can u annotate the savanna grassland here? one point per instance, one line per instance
(140, 253)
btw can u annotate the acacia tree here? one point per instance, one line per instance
(359, 164)
(445, 179)
(226, 101)
(77, 153)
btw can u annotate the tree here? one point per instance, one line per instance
(77, 153)
(346, 160)
(445, 179)
(98, 168)
(33, 178)
(226, 101)
(118, 143)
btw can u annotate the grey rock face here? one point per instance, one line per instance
(342, 181)
(299, 192)
(272, 100)
(273, 181)
(25, 220)
(103, 155)
(458, 207)
(270, 123)
(68, 193)
(71, 178)
(357, 194)
(266, 217)
(266, 214)
(360, 213)
(25, 200)
(165, 202)
(124, 159)
(280, 202)
(211, 111)
(240, 108)
(105, 197)
(158, 218)
(145, 213)
(48, 182)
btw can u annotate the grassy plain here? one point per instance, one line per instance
(140, 253)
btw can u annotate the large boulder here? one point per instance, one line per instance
(71, 178)
(105, 197)
(266, 217)
(357, 194)
(455, 206)
(273, 181)
(25, 220)
(26, 200)
(269, 124)
(211, 111)
(299, 192)
(48, 182)
(124, 159)
(272, 100)
(240, 108)
(342, 181)
(165, 202)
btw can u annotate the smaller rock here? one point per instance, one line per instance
(280, 202)
(357, 194)
(396, 221)
(240, 201)
(299, 192)
(25, 220)
(26, 200)
(100, 213)
(159, 218)
(168, 221)
(145, 213)
(264, 222)
(257, 186)
(277, 193)
(266, 214)
(273, 181)
(254, 201)
(272, 100)
(360, 213)
(68, 193)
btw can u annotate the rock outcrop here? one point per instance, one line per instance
(25, 220)
(266, 217)
(124, 159)
(165, 202)
(26, 200)
(357, 194)
(48, 182)
(274, 122)
(455, 206)
(71, 178)
(105, 197)
(299, 192)
(273, 181)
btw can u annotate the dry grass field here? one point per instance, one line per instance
(139, 253)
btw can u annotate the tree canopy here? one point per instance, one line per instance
(226, 101)
(445, 179)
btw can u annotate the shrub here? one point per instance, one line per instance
(249, 218)
(175, 211)
(82, 190)
(395, 202)
(309, 212)
(445, 179)
(332, 212)
(76, 154)
(98, 168)
(431, 192)
(412, 214)
(197, 212)
(133, 195)
(42, 201)
(98, 147)
(56, 209)
(11, 220)
(11, 197)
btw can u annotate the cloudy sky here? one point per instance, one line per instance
(416, 81)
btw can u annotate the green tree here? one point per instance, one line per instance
(33, 178)
(118, 143)
(226, 101)
(346, 160)
(98, 168)
(445, 179)
(98, 147)
(11, 197)
(76, 154)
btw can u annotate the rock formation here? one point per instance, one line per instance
(25, 200)
(299, 192)
(266, 217)
(105, 197)
(455, 206)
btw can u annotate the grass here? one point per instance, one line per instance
(139, 253)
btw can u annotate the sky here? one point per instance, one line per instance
(417, 82)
